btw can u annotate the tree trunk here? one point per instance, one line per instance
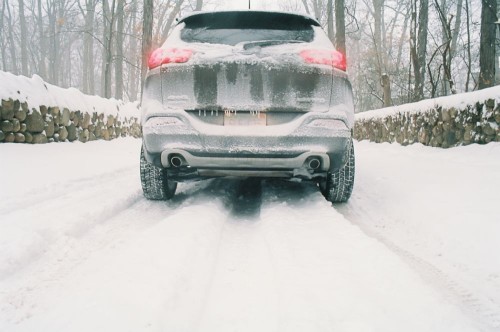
(402, 39)
(133, 55)
(377, 37)
(53, 43)
(317, 10)
(487, 46)
(11, 40)
(418, 46)
(386, 84)
(147, 36)
(170, 21)
(448, 84)
(88, 47)
(377, 33)
(469, 60)
(423, 19)
(109, 17)
(42, 66)
(2, 42)
(119, 50)
(24, 47)
(456, 30)
(160, 16)
(306, 7)
(199, 5)
(329, 19)
(340, 26)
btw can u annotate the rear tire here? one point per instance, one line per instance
(337, 187)
(154, 181)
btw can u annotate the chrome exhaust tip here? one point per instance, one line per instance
(314, 163)
(177, 161)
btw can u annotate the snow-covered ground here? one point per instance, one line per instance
(415, 249)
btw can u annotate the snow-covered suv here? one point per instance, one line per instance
(247, 94)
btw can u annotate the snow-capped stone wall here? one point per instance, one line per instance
(442, 122)
(33, 111)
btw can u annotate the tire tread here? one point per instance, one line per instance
(339, 184)
(154, 181)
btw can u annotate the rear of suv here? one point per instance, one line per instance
(247, 94)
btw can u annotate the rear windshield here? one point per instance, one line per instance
(231, 28)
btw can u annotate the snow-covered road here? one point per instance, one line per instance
(416, 248)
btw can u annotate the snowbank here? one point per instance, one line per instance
(441, 122)
(35, 92)
(34, 111)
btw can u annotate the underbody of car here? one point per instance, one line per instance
(248, 94)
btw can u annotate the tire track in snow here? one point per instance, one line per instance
(228, 192)
(71, 220)
(45, 265)
(244, 278)
(54, 191)
(86, 230)
(488, 316)
(114, 222)
(106, 215)
(241, 250)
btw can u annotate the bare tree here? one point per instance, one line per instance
(340, 26)
(88, 45)
(199, 5)
(418, 45)
(445, 49)
(487, 46)
(2, 41)
(469, 57)
(319, 9)
(147, 36)
(24, 48)
(386, 85)
(171, 17)
(42, 66)
(456, 29)
(134, 54)
(119, 50)
(12, 47)
(329, 19)
(109, 16)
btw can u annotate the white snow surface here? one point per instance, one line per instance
(415, 249)
(36, 92)
(459, 101)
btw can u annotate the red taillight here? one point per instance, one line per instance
(325, 57)
(163, 56)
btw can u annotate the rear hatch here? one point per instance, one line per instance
(254, 63)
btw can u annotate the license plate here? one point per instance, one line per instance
(234, 118)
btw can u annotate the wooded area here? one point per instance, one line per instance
(397, 51)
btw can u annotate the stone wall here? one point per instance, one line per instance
(447, 123)
(43, 124)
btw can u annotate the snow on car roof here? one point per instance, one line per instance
(192, 15)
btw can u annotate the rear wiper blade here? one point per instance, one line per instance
(264, 43)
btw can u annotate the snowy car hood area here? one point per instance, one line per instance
(415, 249)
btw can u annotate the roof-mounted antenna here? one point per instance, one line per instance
(249, 4)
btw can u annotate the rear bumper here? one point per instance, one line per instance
(244, 162)
(270, 151)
